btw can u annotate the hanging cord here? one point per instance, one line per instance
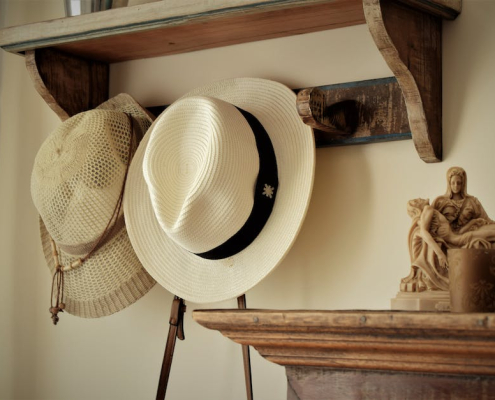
(57, 292)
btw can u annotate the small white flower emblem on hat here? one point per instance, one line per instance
(268, 191)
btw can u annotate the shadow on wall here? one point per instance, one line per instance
(317, 267)
(468, 68)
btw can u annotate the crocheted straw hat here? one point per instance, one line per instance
(76, 184)
(204, 180)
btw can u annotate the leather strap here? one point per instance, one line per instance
(176, 330)
(241, 303)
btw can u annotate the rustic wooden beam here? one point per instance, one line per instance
(67, 83)
(342, 114)
(355, 112)
(410, 41)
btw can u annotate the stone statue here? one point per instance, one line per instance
(454, 220)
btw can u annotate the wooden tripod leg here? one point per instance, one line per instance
(241, 302)
(175, 331)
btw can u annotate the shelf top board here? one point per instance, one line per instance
(351, 321)
(172, 27)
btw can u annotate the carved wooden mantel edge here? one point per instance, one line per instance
(363, 340)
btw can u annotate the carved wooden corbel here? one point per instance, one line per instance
(69, 84)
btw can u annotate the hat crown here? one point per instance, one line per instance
(78, 175)
(201, 166)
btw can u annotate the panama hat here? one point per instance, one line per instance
(77, 187)
(219, 187)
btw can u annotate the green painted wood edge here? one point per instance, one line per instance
(20, 47)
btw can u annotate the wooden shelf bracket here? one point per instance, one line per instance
(408, 34)
(68, 84)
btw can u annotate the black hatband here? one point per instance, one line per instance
(264, 196)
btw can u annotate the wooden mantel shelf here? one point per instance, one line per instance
(341, 350)
(401, 341)
(68, 58)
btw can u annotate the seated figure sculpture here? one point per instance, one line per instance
(454, 220)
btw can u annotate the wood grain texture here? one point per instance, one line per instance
(376, 340)
(411, 44)
(337, 119)
(68, 84)
(172, 27)
(323, 384)
(355, 112)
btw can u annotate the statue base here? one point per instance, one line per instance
(429, 300)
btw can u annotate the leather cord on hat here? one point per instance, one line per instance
(58, 276)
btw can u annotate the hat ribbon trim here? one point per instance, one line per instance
(264, 195)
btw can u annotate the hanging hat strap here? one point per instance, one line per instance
(57, 293)
(176, 330)
(241, 303)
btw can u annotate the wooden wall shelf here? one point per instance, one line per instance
(346, 354)
(68, 58)
(164, 28)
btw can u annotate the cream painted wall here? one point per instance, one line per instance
(351, 252)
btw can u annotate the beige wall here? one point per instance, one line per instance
(351, 252)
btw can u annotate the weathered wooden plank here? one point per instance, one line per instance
(379, 104)
(323, 384)
(411, 44)
(171, 27)
(355, 112)
(68, 84)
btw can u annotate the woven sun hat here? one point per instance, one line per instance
(77, 187)
(219, 187)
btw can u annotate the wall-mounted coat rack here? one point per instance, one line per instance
(69, 58)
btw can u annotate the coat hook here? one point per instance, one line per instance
(340, 118)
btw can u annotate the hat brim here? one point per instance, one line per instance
(109, 281)
(203, 281)
(113, 277)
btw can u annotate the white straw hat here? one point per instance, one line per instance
(199, 218)
(76, 186)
